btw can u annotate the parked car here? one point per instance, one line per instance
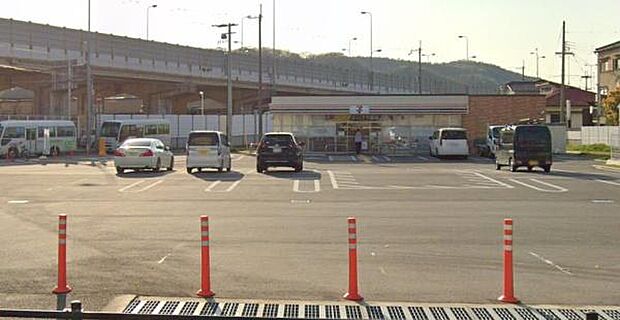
(524, 146)
(143, 153)
(279, 149)
(449, 142)
(208, 149)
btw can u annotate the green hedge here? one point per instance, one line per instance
(598, 147)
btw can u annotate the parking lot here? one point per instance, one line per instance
(429, 230)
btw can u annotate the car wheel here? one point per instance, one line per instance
(547, 169)
(189, 170)
(259, 169)
(120, 170)
(513, 168)
(229, 164)
(529, 168)
(54, 152)
(171, 164)
(158, 165)
(12, 153)
(497, 165)
(299, 168)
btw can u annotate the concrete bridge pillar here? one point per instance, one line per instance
(42, 101)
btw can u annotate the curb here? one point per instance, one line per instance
(606, 168)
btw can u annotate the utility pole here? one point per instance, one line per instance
(586, 77)
(89, 89)
(562, 88)
(523, 70)
(273, 72)
(69, 75)
(420, 68)
(229, 106)
(260, 72)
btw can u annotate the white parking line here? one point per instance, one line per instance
(238, 158)
(232, 186)
(150, 185)
(332, 179)
(123, 189)
(317, 186)
(212, 185)
(608, 182)
(493, 180)
(549, 262)
(556, 188)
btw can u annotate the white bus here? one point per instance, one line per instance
(27, 138)
(115, 132)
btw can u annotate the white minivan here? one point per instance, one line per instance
(449, 142)
(208, 149)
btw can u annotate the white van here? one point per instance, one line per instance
(208, 149)
(35, 137)
(449, 142)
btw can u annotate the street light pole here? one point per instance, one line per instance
(147, 19)
(229, 106)
(260, 71)
(466, 46)
(202, 103)
(89, 89)
(371, 84)
(352, 39)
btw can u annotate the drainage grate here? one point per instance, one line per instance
(482, 314)
(374, 313)
(270, 310)
(169, 307)
(250, 310)
(526, 314)
(570, 314)
(149, 307)
(614, 314)
(188, 308)
(504, 314)
(548, 314)
(230, 309)
(132, 306)
(291, 310)
(332, 312)
(439, 313)
(311, 311)
(396, 313)
(353, 312)
(209, 309)
(417, 313)
(460, 313)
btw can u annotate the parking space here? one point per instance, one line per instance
(428, 228)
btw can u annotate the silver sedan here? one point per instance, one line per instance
(143, 153)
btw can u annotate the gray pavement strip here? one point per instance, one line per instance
(363, 310)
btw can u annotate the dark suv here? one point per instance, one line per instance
(279, 149)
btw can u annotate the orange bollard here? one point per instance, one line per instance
(205, 265)
(508, 295)
(62, 287)
(353, 293)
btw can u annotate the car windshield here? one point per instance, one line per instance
(203, 139)
(278, 139)
(110, 129)
(137, 143)
(453, 135)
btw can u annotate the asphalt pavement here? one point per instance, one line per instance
(429, 230)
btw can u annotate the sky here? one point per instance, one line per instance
(503, 32)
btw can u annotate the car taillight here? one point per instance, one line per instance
(147, 153)
(119, 153)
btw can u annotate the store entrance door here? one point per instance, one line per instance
(371, 133)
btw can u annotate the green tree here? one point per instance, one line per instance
(610, 105)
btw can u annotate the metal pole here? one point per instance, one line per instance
(260, 71)
(273, 74)
(242, 20)
(420, 68)
(372, 75)
(467, 47)
(89, 89)
(202, 103)
(537, 77)
(229, 87)
(69, 89)
(562, 92)
(147, 22)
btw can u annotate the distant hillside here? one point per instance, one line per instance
(452, 77)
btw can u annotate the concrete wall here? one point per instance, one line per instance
(604, 135)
